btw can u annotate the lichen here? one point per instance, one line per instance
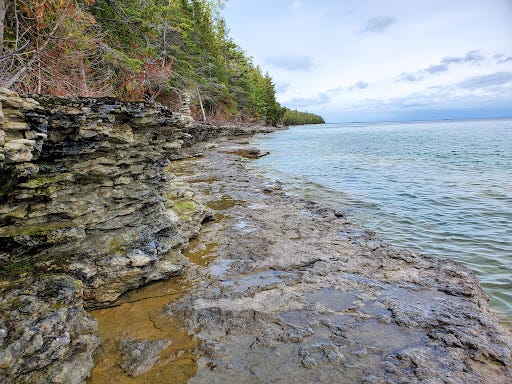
(11, 270)
(39, 182)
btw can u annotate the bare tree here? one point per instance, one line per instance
(4, 6)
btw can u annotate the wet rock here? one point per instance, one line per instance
(139, 356)
(85, 191)
(298, 294)
(248, 152)
(90, 190)
(45, 334)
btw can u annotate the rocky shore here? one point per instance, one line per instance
(99, 197)
(297, 294)
(87, 213)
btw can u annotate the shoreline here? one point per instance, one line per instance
(421, 207)
(291, 292)
(100, 198)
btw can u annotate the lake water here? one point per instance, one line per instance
(441, 188)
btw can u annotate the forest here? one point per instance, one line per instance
(151, 50)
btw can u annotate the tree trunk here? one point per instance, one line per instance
(83, 91)
(201, 105)
(4, 5)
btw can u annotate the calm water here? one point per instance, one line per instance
(441, 188)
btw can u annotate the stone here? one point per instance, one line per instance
(12, 99)
(49, 337)
(91, 203)
(248, 152)
(297, 294)
(18, 151)
(139, 356)
(15, 125)
(139, 258)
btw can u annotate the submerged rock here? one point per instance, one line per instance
(139, 356)
(248, 152)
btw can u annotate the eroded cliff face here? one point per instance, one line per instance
(87, 212)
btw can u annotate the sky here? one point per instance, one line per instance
(381, 60)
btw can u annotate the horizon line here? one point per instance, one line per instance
(421, 120)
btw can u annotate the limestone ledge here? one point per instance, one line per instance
(85, 194)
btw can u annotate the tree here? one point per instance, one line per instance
(4, 6)
(135, 50)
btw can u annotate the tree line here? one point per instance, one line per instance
(136, 50)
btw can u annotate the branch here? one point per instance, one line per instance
(41, 48)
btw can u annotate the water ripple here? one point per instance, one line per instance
(441, 188)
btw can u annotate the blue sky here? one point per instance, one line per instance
(371, 60)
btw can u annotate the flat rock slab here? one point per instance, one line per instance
(247, 152)
(139, 356)
(297, 294)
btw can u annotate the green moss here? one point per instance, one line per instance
(170, 195)
(57, 306)
(184, 207)
(36, 183)
(39, 182)
(116, 246)
(11, 270)
(225, 203)
(34, 230)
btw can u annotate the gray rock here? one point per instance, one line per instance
(300, 295)
(45, 334)
(139, 356)
(85, 192)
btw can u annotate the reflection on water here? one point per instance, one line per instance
(441, 188)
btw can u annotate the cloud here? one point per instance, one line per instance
(297, 4)
(501, 59)
(439, 68)
(405, 76)
(359, 85)
(335, 91)
(322, 98)
(292, 63)
(451, 60)
(486, 81)
(448, 101)
(378, 24)
(473, 57)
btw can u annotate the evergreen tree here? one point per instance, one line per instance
(135, 50)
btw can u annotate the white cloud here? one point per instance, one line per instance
(326, 47)
(291, 63)
(378, 24)
(359, 85)
(486, 81)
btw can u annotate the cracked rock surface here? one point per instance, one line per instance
(297, 294)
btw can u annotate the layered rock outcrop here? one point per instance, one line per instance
(84, 195)
(84, 192)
